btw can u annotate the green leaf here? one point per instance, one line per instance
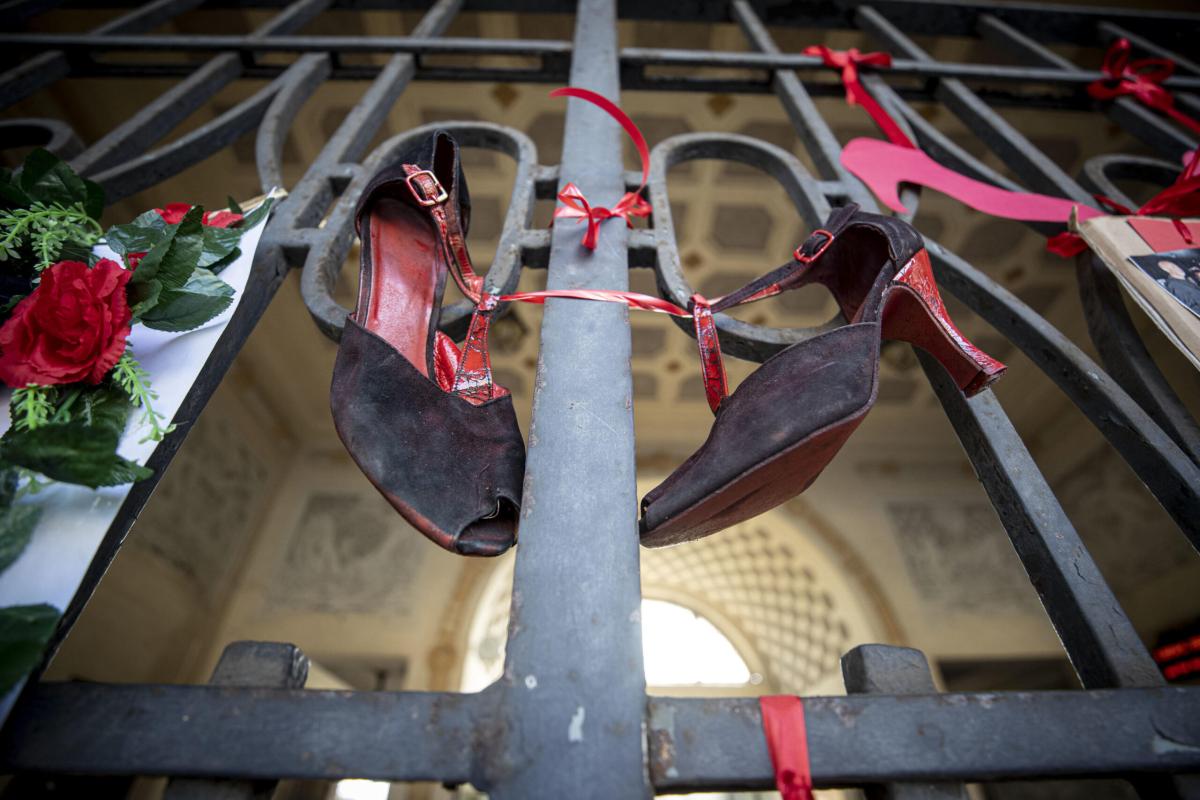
(109, 410)
(82, 451)
(217, 266)
(257, 215)
(47, 178)
(11, 192)
(203, 297)
(181, 258)
(147, 268)
(16, 528)
(233, 205)
(219, 245)
(143, 297)
(24, 631)
(9, 478)
(227, 239)
(135, 238)
(169, 262)
(94, 204)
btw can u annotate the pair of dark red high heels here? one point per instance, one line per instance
(434, 433)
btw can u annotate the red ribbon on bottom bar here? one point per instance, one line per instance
(787, 741)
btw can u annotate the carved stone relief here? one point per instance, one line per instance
(348, 553)
(960, 559)
(201, 511)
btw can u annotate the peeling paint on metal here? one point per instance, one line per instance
(575, 729)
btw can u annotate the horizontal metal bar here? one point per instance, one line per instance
(946, 17)
(287, 44)
(217, 732)
(630, 56)
(47, 67)
(366, 72)
(900, 66)
(1110, 31)
(694, 744)
(718, 744)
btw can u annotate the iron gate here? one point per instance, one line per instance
(512, 740)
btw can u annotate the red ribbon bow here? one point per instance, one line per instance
(1140, 77)
(631, 204)
(1180, 199)
(856, 94)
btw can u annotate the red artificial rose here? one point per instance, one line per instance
(72, 327)
(174, 213)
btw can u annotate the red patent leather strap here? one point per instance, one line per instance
(785, 277)
(856, 94)
(787, 742)
(445, 361)
(450, 232)
(575, 205)
(716, 384)
(473, 377)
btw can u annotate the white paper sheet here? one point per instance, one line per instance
(75, 518)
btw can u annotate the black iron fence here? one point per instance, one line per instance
(512, 739)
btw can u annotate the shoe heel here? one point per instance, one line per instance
(913, 312)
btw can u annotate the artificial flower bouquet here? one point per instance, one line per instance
(71, 294)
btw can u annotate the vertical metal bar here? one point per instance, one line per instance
(1100, 641)
(883, 669)
(261, 665)
(574, 687)
(818, 138)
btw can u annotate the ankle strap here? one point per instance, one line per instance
(783, 278)
(431, 195)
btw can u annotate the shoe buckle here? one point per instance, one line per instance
(440, 195)
(805, 258)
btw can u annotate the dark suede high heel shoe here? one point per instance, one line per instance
(775, 434)
(424, 421)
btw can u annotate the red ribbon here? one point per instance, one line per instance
(644, 302)
(1180, 199)
(787, 742)
(856, 94)
(1140, 77)
(631, 204)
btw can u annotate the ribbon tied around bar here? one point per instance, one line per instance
(1141, 78)
(856, 94)
(1180, 199)
(787, 742)
(575, 205)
